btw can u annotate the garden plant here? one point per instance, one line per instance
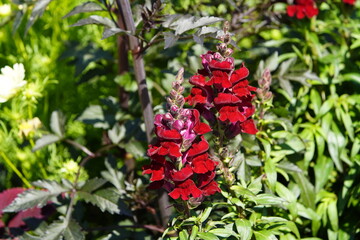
(190, 120)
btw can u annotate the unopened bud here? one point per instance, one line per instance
(228, 52)
(173, 94)
(268, 96)
(174, 110)
(178, 125)
(226, 26)
(221, 47)
(168, 117)
(180, 76)
(181, 89)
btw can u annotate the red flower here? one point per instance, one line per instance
(203, 164)
(302, 8)
(351, 2)
(232, 114)
(185, 189)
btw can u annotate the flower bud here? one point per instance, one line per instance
(178, 125)
(168, 117)
(173, 94)
(221, 47)
(180, 76)
(268, 96)
(174, 110)
(228, 52)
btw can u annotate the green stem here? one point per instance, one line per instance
(13, 167)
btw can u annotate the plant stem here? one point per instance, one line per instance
(13, 167)
(139, 68)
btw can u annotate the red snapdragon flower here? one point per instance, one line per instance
(302, 8)
(351, 2)
(225, 94)
(179, 159)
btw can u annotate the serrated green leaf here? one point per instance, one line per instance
(36, 12)
(108, 32)
(54, 231)
(85, 7)
(117, 133)
(45, 140)
(113, 175)
(187, 22)
(92, 184)
(36, 198)
(106, 200)
(95, 19)
(170, 39)
(243, 228)
(73, 231)
(57, 123)
(207, 236)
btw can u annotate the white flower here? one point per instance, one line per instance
(11, 80)
(5, 10)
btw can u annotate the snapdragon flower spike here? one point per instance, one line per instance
(223, 93)
(179, 159)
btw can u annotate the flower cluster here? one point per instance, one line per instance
(303, 8)
(222, 93)
(350, 2)
(180, 162)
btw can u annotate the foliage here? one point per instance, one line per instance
(81, 119)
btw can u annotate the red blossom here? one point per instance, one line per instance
(351, 2)
(182, 174)
(203, 164)
(198, 148)
(185, 189)
(211, 188)
(302, 8)
(232, 114)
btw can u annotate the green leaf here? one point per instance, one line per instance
(95, 19)
(73, 231)
(36, 198)
(268, 199)
(183, 235)
(325, 107)
(54, 231)
(207, 236)
(307, 190)
(187, 22)
(194, 232)
(263, 235)
(334, 148)
(243, 227)
(315, 100)
(37, 11)
(240, 190)
(18, 19)
(345, 116)
(106, 200)
(285, 193)
(85, 7)
(57, 123)
(271, 174)
(221, 232)
(113, 175)
(45, 140)
(117, 133)
(108, 32)
(272, 62)
(170, 39)
(333, 215)
(92, 184)
(205, 214)
(95, 115)
(323, 168)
